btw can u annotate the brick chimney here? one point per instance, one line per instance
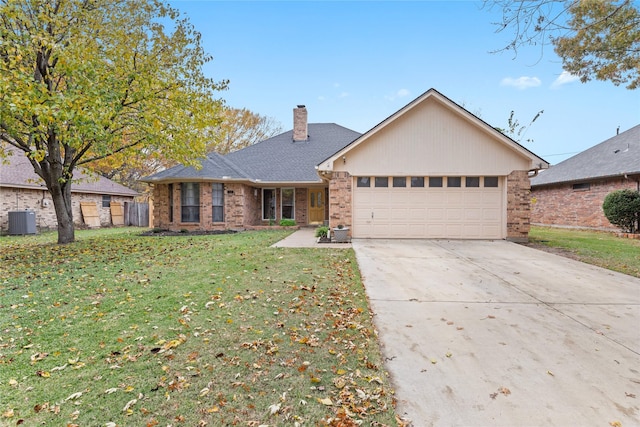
(300, 130)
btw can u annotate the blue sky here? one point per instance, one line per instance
(355, 63)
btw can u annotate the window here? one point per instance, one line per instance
(490, 181)
(288, 203)
(582, 186)
(217, 200)
(417, 181)
(106, 200)
(454, 181)
(268, 203)
(170, 202)
(472, 181)
(399, 181)
(363, 181)
(382, 181)
(190, 199)
(435, 181)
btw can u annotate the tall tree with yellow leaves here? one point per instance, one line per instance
(82, 80)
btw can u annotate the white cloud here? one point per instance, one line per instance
(343, 95)
(336, 85)
(521, 83)
(564, 78)
(399, 94)
(321, 98)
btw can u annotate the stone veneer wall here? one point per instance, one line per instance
(340, 199)
(561, 206)
(12, 199)
(518, 206)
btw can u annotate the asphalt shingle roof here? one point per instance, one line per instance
(277, 159)
(614, 157)
(17, 171)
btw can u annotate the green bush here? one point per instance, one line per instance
(622, 208)
(287, 222)
(322, 231)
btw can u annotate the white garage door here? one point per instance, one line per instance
(461, 207)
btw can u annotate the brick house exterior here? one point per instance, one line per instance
(571, 193)
(22, 189)
(310, 174)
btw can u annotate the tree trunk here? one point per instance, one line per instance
(61, 195)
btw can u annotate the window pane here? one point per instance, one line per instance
(435, 181)
(582, 186)
(417, 181)
(363, 181)
(472, 181)
(313, 199)
(190, 198)
(454, 181)
(218, 202)
(170, 190)
(399, 181)
(288, 203)
(268, 203)
(319, 200)
(490, 181)
(106, 201)
(382, 181)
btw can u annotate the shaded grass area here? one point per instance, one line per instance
(191, 330)
(593, 247)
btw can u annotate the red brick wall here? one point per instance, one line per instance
(560, 205)
(518, 206)
(242, 207)
(340, 199)
(12, 199)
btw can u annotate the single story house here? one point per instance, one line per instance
(21, 189)
(571, 193)
(430, 170)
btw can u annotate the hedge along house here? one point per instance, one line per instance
(431, 170)
(257, 186)
(570, 194)
(22, 189)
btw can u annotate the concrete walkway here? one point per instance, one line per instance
(305, 238)
(491, 333)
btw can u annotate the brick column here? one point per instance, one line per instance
(518, 206)
(340, 199)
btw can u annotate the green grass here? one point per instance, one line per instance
(597, 248)
(188, 330)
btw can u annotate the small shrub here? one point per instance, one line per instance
(622, 208)
(287, 222)
(184, 230)
(340, 226)
(322, 231)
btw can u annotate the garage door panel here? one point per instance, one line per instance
(427, 212)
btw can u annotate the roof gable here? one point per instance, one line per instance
(418, 131)
(16, 171)
(616, 156)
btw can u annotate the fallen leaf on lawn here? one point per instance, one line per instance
(339, 383)
(615, 424)
(74, 396)
(110, 424)
(274, 409)
(129, 405)
(111, 390)
(326, 401)
(204, 391)
(43, 374)
(8, 413)
(13, 382)
(58, 368)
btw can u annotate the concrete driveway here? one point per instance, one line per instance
(489, 333)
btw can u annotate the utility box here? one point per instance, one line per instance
(22, 222)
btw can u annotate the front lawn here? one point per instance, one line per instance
(593, 247)
(120, 329)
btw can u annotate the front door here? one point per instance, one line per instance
(316, 205)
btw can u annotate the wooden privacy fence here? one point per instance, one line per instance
(136, 214)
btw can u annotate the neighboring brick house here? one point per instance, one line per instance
(431, 170)
(22, 189)
(571, 193)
